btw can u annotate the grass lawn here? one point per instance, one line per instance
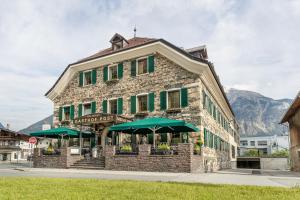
(55, 188)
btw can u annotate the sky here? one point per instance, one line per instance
(254, 45)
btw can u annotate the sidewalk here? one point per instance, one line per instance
(242, 177)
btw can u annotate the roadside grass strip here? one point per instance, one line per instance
(63, 188)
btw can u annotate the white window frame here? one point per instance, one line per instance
(83, 110)
(137, 66)
(84, 72)
(108, 105)
(63, 112)
(137, 103)
(108, 72)
(172, 90)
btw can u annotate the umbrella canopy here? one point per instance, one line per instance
(60, 132)
(157, 124)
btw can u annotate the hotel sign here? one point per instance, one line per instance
(99, 118)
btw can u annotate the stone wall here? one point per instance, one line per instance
(185, 161)
(274, 163)
(64, 160)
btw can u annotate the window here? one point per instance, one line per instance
(113, 72)
(87, 109)
(87, 77)
(244, 142)
(142, 66)
(262, 143)
(66, 113)
(173, 99)
(142, 103)
(252, 143)
(113, 106)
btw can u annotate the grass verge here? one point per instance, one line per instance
(59, 188)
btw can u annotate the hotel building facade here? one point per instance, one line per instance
(145, 77)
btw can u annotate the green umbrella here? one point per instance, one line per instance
(56, 132)
(155, 125)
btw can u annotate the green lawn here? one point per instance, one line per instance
(54, 188)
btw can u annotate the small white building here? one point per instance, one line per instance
(265, 144)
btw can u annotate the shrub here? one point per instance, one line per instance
(252, 153)
(281, 153)
(126, 148)
(163, 147)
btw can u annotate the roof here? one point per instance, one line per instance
(141, 41)
(292, 109)
(1, 126)
(136, 41)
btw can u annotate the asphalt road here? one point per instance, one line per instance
(237, 177)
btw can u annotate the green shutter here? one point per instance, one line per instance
(93, 107)
(120, 106)
(72, 112)
(151, 102)
(94, 76)
(105, 73)
(120, 70)
(205, 137)
(79, 110)
(104, 106)
(60, 112)
(184, 97)
(80, 79)
(133, 104)
(151, 64)
(133, 68)
(163, 100)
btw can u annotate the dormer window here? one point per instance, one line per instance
(118, 42)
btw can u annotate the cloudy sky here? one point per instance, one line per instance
(254, 45)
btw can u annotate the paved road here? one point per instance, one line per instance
(222, 177)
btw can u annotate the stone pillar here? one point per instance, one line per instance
(103, 136)
(110, 151)
(185, 149)
(144, 149)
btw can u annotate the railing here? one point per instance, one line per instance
(127, 150)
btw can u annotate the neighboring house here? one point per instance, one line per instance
(13, 145)
(266, 145)
(146, 77)
(292, 117)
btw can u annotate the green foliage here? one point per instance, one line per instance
(281, 153)
(68, 189)
(50, 149)
(163, 147)
(252, 153)
(126, 148)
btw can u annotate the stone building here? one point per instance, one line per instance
(292, 117)
(146, 77)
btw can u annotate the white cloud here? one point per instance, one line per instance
(253, 44)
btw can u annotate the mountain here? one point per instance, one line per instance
(38, 125)
(256, 114)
